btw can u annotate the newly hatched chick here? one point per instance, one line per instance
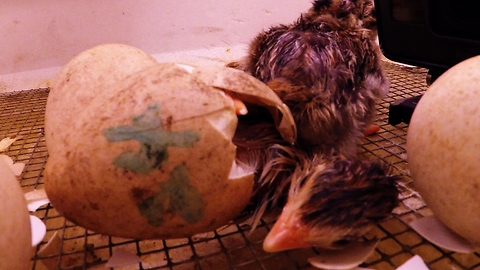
(333, 202)
(327, 199)
(326, 67)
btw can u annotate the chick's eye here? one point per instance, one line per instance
(341, 242)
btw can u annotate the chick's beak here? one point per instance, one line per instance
(287, 233)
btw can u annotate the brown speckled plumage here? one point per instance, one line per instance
(326, 67)
(333, 198)
(340, 200)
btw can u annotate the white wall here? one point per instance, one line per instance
(40, 36)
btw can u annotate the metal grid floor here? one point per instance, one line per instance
(231, 247)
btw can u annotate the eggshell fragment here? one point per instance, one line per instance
(39, 230)
(346, 258)
(249, 89)
(436, 232)
(16, 168)
(35, 199)
(414, 263)
(49, 250)
(6, 142)
(122, 258)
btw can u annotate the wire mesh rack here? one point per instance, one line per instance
(68, 246)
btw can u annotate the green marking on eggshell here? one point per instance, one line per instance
(177, 195)
(147, 129)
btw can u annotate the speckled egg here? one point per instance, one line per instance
(443, 145)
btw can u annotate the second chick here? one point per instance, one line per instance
(326, 67)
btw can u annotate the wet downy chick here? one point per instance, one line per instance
(331, 203)
(327, 70)
(327, 199)
(326, 67)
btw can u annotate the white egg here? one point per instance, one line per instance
(443, 147)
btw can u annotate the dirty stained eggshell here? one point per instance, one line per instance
(152, 156)
(443, 145)
(85, 77)
(151, 160)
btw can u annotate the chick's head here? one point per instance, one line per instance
(332, 203)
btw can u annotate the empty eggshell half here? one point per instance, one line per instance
(437, 233)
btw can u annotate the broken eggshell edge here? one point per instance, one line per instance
(432, 229)
(349, 257)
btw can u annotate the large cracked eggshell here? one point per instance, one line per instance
(152, 158)
(150, 153)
